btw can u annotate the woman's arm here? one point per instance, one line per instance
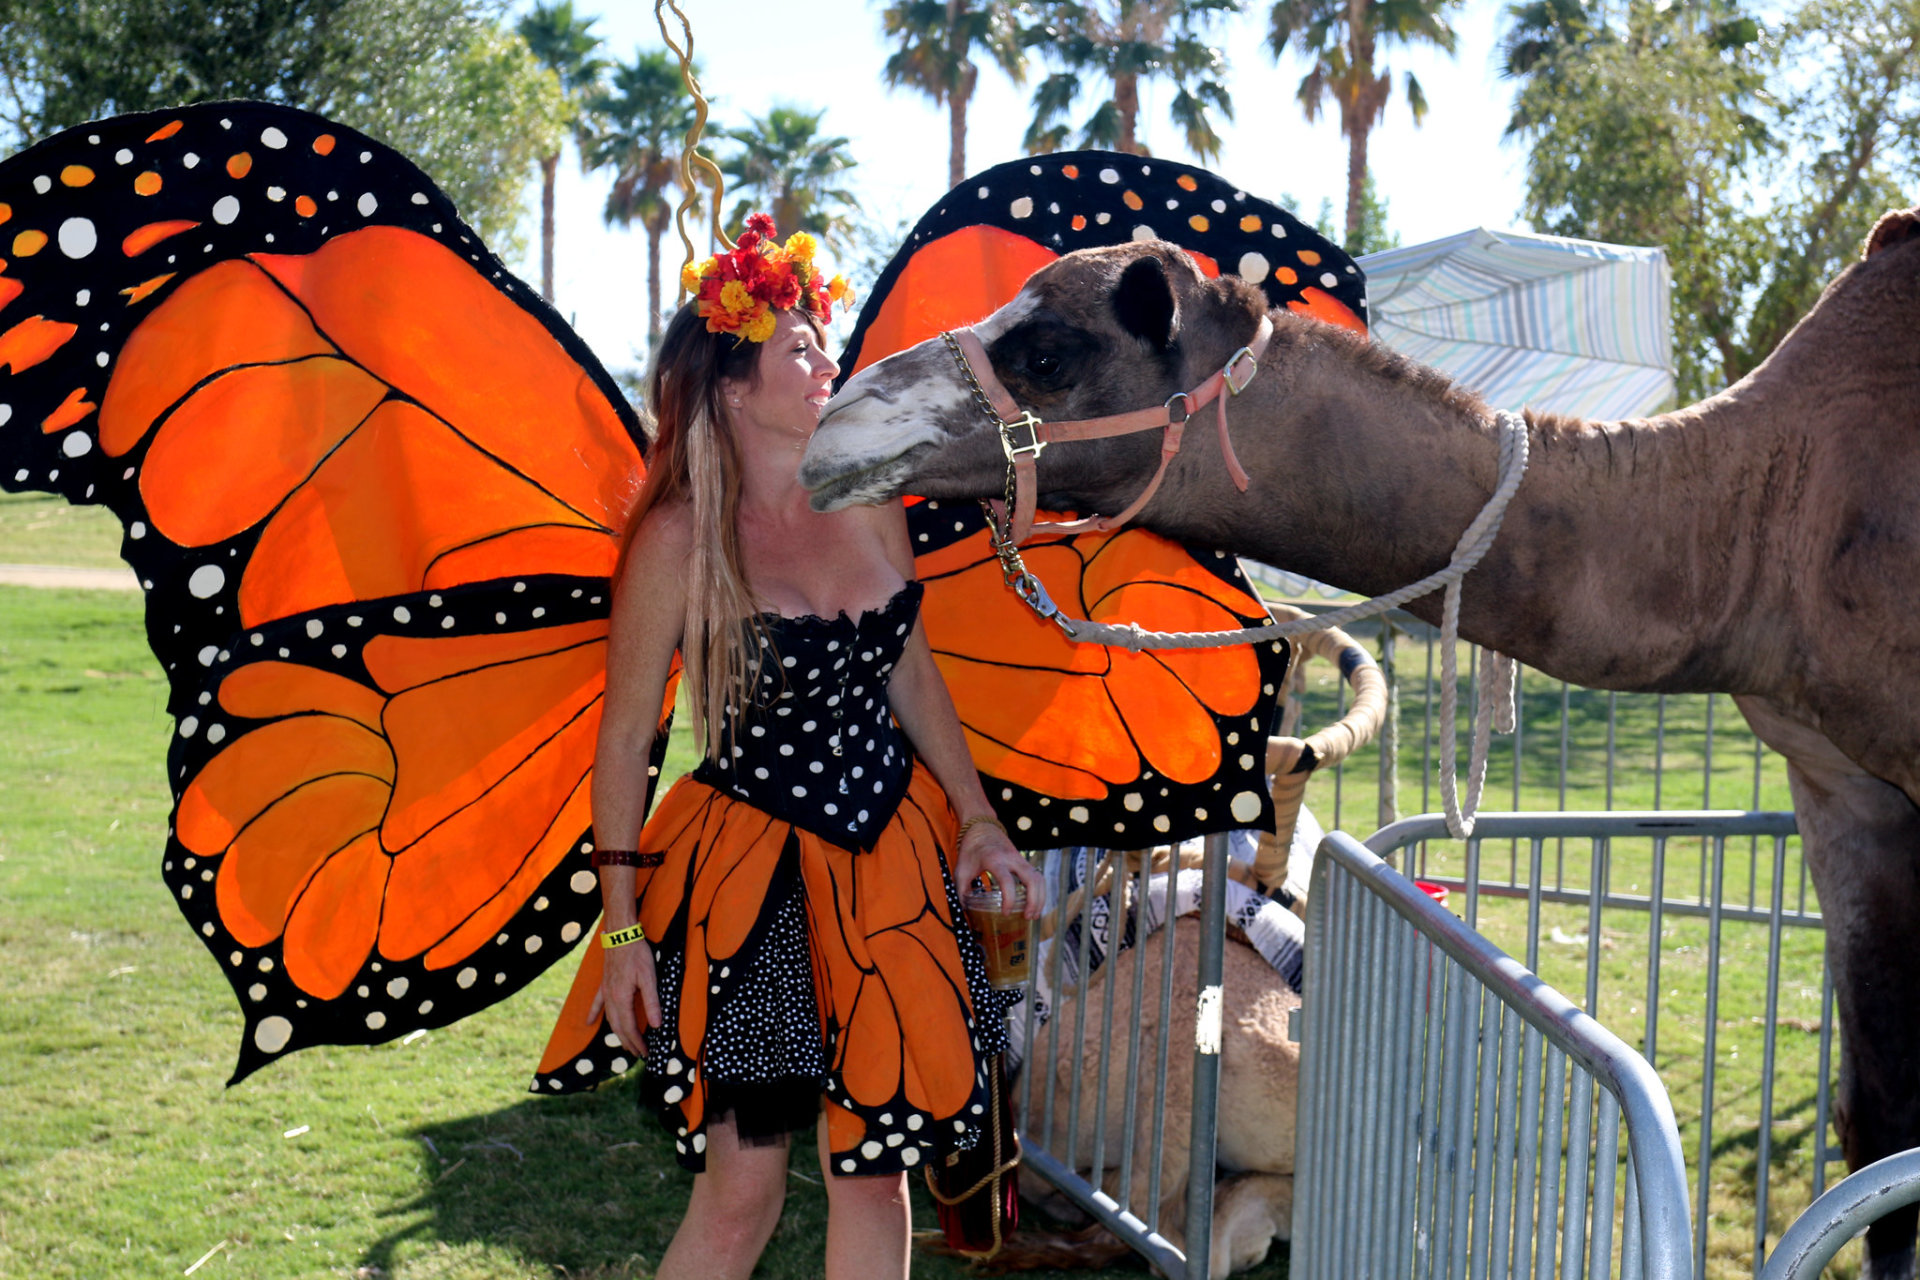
(920, 702)
(649, 607)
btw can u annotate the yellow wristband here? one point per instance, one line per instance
(621, 937)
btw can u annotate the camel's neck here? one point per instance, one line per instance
(1626, 556)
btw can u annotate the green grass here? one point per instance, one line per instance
(37, 528)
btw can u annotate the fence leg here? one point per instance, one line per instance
(1206, 1060)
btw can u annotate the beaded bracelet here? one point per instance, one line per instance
(984, 820)
(626, 858)
(621, 937)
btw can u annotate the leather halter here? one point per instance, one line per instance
(1024, 436)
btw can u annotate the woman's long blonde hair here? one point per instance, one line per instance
(696, 461)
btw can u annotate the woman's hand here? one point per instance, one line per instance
(987, 851)
(628, 992)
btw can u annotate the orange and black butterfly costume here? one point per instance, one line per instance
(371, 485)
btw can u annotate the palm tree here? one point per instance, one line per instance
(565, 45)
(1339, 38)
(937, 39)
(789, 168)
(1125, 42)
(643, 119)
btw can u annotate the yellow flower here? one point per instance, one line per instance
(838, 288)
(690, 276)
(801, 245)
(760, 327)
(734, 297)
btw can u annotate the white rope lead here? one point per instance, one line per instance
(1495, 704)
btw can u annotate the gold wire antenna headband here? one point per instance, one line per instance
(694, 167)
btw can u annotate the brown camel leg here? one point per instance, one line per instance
(1862, 841)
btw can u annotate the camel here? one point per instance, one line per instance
(1259, 1078)
(1760, 543)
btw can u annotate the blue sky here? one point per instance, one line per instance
(1451, 174)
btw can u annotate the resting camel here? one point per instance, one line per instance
(1764, 542)
(1259, 1077)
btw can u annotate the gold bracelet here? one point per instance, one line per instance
(621, 937)
(984, 820)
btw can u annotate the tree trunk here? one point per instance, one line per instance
(1356, 182)
(549, 167)
(957, 126)
(1360, 113)
(1126, 99)
(653, 286)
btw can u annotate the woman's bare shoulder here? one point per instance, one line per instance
(661, 546)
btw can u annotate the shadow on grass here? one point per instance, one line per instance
(587, 1186)
(577, 1186)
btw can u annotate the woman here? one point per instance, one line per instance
(809, 968)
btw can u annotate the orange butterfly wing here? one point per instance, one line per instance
(371, 486)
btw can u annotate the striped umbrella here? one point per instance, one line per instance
(1528, 321)
(1531, 321)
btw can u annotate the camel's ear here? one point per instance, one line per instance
(1143, 302)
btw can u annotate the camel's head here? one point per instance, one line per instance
(1097, 332)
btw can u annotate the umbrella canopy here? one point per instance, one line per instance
(1528, 321)
(1531, 321)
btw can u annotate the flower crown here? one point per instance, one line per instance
(739, 292)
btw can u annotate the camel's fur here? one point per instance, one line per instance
(1764, 542)
(1259, 1077)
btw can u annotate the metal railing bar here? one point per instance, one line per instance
(1708, 1054)
(1837, 1216)
(1656, 910)
(1142, 884)
(1057, 962)
(1624, 1072)
(1133, 1232)
(1573, 1241)
(1631, 902)
(1631, 1262)
(1461, 1058)
(1506, 1145)
(1606, 1168)
(1402, 961)
(1206, 1062)
(1116, 932)
(1527, 1153)
(1486, 1151)
(1376, 995)
(1534, 890)
(1081, 978)
(1164, 1047)
(1763, 1157)
(1551, 1201)
(1823, 1092)
(1599, 877)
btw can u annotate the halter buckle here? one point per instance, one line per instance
(1253, 367)
(1012, 448)
(1186, 408)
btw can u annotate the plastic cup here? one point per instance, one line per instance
(1005, 933)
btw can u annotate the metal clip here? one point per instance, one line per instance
(1034, 443)
(1033, 593)
(1253, 367)
(1186, 408)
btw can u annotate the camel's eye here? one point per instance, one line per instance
(1042, 365)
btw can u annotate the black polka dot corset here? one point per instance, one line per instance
(816, 745)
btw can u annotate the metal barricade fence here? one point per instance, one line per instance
(1070, 1141)
(1681, 972)
(1449, 1120)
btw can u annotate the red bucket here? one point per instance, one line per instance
(1438, 892)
